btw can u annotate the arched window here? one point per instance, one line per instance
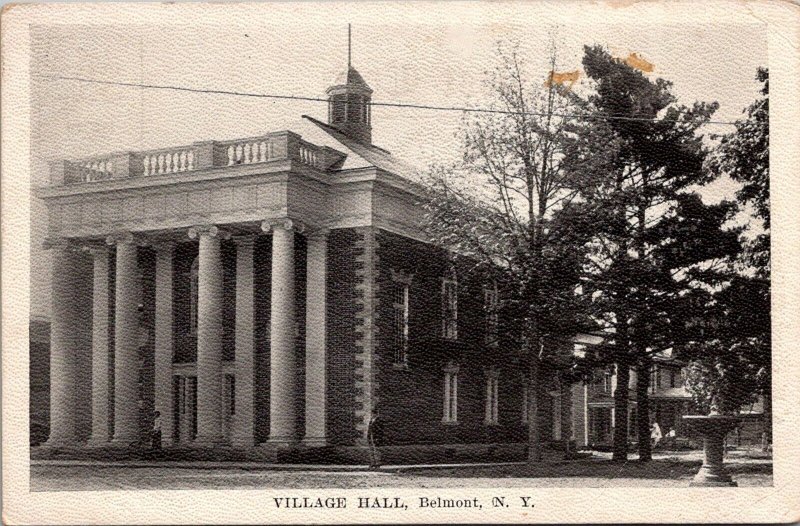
(193, 295)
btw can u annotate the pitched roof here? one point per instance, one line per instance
(372, 154)
(351, 77)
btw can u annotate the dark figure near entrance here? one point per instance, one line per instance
(155, 437)
(375, 439)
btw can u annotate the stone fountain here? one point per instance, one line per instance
(713, 428)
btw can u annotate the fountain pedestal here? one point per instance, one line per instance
(713, 429)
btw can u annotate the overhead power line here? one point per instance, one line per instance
(371, 103)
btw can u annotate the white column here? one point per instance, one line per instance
(282, 423)
(126, 337)
(209, 336)
(163, 344)
(316, 305)
(244, 419)
(101, 353)
(63, 330)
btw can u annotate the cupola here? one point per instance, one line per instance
(349, 107)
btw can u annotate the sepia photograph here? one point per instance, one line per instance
(397, 262)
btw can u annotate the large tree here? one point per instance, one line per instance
(654, 240)
(501, 208)
(742, 331)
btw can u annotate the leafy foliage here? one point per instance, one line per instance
(505, 208)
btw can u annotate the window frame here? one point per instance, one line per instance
(449, 311)
(525, 394)
(450, 405)
(491, 415)
(229, 391)
(491, 303)
(400, 346)
(401, 327)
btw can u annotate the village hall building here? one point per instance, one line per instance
(272, 293)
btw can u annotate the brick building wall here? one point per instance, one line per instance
(411, 398)
(341, 336)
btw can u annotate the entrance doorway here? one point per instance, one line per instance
(185, 392)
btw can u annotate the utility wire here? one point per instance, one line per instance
(385, 104)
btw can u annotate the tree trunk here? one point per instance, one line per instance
(643, 410)
(534, 442)
(620, 453)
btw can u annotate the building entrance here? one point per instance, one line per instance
(185, 390)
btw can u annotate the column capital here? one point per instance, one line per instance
(95, 249)
(245, 240)
(164, 247)
(125, 238)
(269, 225)
(319, 234)
(198, 231)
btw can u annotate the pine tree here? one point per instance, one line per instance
(654, 240)
(744, 322)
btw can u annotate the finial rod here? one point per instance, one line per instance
(349, 46)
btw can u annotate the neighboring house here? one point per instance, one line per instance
(271, 292)
(669, 402)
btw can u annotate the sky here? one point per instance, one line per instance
(405, 56)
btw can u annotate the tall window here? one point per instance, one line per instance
(338, 108)
(490, 306)
(450, 308)
(525, 390)
(492, 388)
(607, 381)
(557, 417)
(193, 295)
(230, 394)
(672, 379)
(400, 322)
(450, 394)
(653, 379)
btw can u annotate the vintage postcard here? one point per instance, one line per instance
(398, 262)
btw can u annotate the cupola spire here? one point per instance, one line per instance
(349, 100)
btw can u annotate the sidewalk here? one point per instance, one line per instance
(261, 466)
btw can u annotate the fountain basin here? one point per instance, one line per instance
(713, 429)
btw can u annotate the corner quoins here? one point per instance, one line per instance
(366, 317)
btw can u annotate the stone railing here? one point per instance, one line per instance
(312, 155)
(198, 156)
(169, 161)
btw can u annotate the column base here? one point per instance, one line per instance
(123, 442)
(98, 442)
(314, 442)
(243, 442)
(281, 441)
(210, 441)
(60, 442)
(713, 477)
